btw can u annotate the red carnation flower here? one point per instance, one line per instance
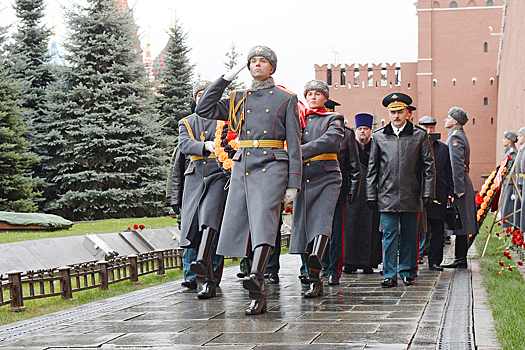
(509, 268)
(142, 227)
(497, 234)
(498, 273)
(231, 136)
(520, 263)
(479, 199)
(501, 263)
(135, 226)
(502, 220)
(129, 228)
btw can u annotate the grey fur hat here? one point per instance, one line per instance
(199, 86)
(318, 85)
(265, 52)
(459, 114)
(426, 120)
(522, 131)
(511, 135)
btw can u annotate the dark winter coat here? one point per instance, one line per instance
(259, 176)
(177, 178)
(444, 182)
(204, 182)
(459, 150)
(401, 169)
(314, 205)
(348, 157)
(519, 175)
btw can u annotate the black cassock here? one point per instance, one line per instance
(362, 237)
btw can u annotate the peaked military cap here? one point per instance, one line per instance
(364, 119)
(330, 105)
(317, 85)
(398, 101)
(199, 86)
(263, 51)
(426, 120)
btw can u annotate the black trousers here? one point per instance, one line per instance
(461, 247)
(437, 235)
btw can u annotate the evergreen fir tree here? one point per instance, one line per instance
(233, 60)
(107, 151)
(28, 55)
(176, 95)
(16, 188)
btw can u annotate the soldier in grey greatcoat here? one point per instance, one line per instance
(507, 200)
(264, 173)
(314, 206)
(459, 149)
(519, 175)
(204, 195)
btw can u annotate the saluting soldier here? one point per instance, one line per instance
(264, 173)
(203, 198)
(507, 200)
(459, 149)
(314, 206)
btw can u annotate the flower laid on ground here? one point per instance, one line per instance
(142, 227)
(135, 226)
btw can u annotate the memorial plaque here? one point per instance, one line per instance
(17, 257)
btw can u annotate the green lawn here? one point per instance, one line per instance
(82, 228)
(506, 292)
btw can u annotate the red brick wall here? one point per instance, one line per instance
(511, 96)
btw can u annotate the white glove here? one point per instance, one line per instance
(289, 195)
(459, 194)
(235, 70)
(513, 197)
(209, 146)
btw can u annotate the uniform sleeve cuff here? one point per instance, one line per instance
(294, 181)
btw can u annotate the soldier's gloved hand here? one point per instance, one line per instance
(372, 205)
(175, 208)
(234, 71)
(513, 197)
(289, 195)
(351, 198)
(210, 146)
(427, 201)
(459, 195)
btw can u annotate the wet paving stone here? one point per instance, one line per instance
(357, 314)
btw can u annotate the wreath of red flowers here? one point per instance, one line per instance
(226, 145)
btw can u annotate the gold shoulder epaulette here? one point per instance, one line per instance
(280, 87)
(455, 132)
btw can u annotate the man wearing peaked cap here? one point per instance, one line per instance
(264, 173)
(401, 156)
(436, 212)
(362, 236)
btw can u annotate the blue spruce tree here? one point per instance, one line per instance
(107, 152)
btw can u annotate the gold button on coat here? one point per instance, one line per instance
(271, 92)
(264, 170)
(306, 133)
(249, 93)
(247, 174)
(203, 162)
(248, 153)
(267, 111)
(248, 111)
(248, 132)
(265, 131)
(265, 153)
(307, 180)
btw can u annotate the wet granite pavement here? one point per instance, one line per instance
(357, 314)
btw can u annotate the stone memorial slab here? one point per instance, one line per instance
(119, 243)
(48, 252)
(132, 239)
(156, 238)
(73, 246)
(16, 256)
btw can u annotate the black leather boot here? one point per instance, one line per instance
(314, 264)
(203, 267)
(460, 253)
(255, 282)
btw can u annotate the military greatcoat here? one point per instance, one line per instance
(459, 149)
(519, 175)
(260, 175)
(507, 203)
(204, 184)
(315, 204)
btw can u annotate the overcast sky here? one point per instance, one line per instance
(302, 33)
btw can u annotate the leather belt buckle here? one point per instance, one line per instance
(256, 143)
